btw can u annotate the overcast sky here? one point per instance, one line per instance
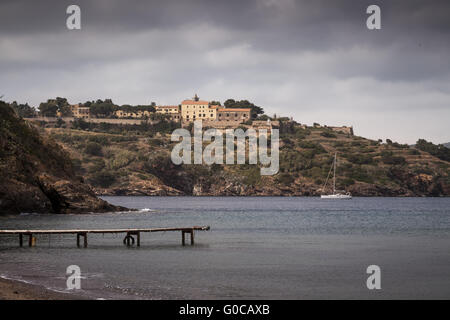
(313, 60)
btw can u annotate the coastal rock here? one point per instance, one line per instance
(37, 175)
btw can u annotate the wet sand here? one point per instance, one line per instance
(16, 290)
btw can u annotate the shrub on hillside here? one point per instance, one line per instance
(360, 158)
(287, 142)
(252, 176)
(285, 178)
(311, 145)
(301, 133)
(99, 138)
(96, 165)
(121, 159)
(328, 134)
(76, 164)
(347, 182)
(393, 160)
(359, 174)
(439, 151)
(102, 179)
(414, 152)
(93, 149)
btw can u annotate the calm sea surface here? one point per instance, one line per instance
(257, 248)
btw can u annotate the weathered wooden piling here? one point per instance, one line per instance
(84, 235)
(183, 236)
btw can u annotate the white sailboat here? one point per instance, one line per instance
(336, 193)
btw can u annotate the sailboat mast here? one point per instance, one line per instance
(334, 174)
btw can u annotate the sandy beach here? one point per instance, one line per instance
(16, 290)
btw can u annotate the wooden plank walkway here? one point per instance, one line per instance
(128, 240)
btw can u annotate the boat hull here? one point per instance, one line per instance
(335, 196)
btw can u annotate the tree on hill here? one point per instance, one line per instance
(439, 151)
(52, 106)
(63, 106)
(263, 117)
(255, 110)
(101, 109)
(23, 110)
(48, 109)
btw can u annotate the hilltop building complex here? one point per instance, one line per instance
(79, 111)
(212, 115)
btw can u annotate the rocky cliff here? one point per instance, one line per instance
(37, 175)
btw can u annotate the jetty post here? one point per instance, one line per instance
(183, 236)
(84, 235)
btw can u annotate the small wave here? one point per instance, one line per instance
(86, 276)
(6, 277)
(29, 214)
(21, 280)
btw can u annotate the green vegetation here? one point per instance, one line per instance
(360, 158)
(100, 108)
(328, 134)
(93, 149)
(126, 158)
(23, 110)
(255, 110)
(102, 179)
(252, 176)
(52, 106)
(285, 178)
(144, 128)
(106, 108)
(388, 158)
(439, 151)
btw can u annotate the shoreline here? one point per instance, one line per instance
(17, 290)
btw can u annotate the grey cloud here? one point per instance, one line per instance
(310, 59)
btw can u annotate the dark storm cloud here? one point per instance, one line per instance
(417, 30)
(28, 16)
(280, 15)
(313, 56)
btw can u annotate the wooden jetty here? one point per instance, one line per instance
(128, 240)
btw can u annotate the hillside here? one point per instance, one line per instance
(36, 173)
(131, 160)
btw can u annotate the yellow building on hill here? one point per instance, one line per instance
(233, 114)
(197, 109)
(132, 114)
(79, 111)
(172, 111)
